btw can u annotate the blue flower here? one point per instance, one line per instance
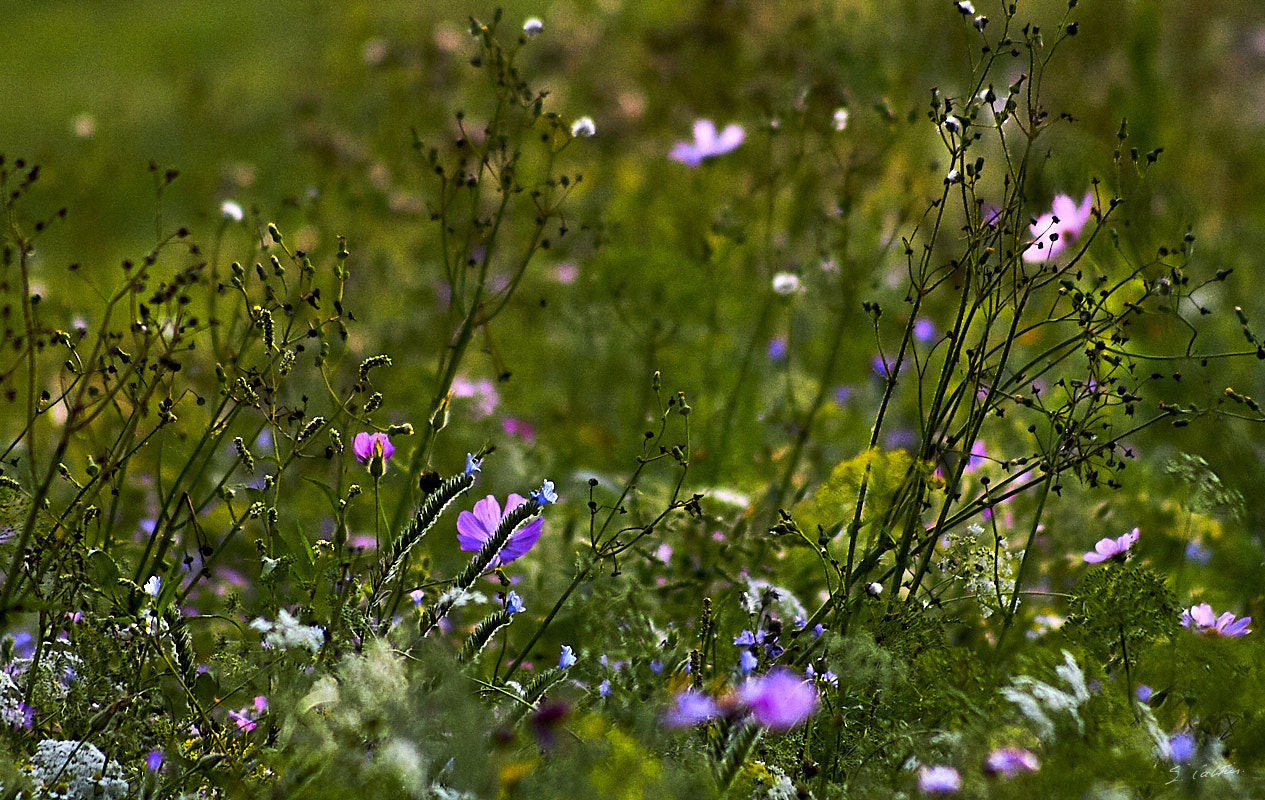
(604, 688)
(745, 639)
(472, 464)
(545, 495)
(567, 658)
(514, 603)
(747, 661)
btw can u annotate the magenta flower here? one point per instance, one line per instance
(939, 780)
(1010, 761)
(706, 143)
(373, 449)
(474, 529)
(1203, 620)
(1053, 232)
(1112, 548)
(779, 700)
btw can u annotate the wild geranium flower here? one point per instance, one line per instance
(1112, 548)
(1053, 232)
(1010, 761)
(706, 143)
(779, 700)
(474, 529)
(939, 780)
(373, 449)
(1203, 620)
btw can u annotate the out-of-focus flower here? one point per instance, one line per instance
(153, 760)
(373, 449)
(706, 143)
(1053, 232)
(1143, 692)
(533, 26)
(1182, 747)
(604, 688)
(691, 708)
(1203, 620)
(841, 118)
(779, 700)
(777, 349)
(747, 661)
(1010, 761)
(567, 658)
(939, 780)
(517, 427)
(475, 528)
(483, 392)
(964, 7)
(231, 210)
(785, 283)
(1112, 548)
(286, 633)
(583, 127)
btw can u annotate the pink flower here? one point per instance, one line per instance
(706, 143)
(368, 445)
(1203, 620)
(1053, 232)
(779, 700)
(474, 529)
(1010, 761)
(1112, 548)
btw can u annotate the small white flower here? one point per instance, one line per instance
(874, 589)
(153, 586)
(841, 118)
(785, 283)
(231, 210)
(965, 7)
(533, 26)
(953, 124)
(583, 127)
(953, 177)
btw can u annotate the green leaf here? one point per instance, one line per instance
(834, 501)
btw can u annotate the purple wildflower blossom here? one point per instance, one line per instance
(1112, 548)
(691, 708)
(779, 700)
(706, 143)
(1203, 620)
(1052, 232)
(939, 780)
(474, 529)
(1010, 761)
(1181, 747)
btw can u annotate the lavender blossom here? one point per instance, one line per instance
(1203, 620)
(706, 143)
(1112, 548)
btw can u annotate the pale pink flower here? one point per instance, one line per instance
(1112, 548)
(1202, 619)
(1053, 232)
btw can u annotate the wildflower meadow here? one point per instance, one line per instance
(612, 399)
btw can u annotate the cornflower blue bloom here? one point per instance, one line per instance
(691, 708)
(567, 658)
(604, 688)
(545, 495)
(1112, 548)
(656, 666)
(514, 603)
(472, 464)
(474, 529)
(1143, 692)
(779, 700)
(747, 638)
(939, 780)
(706, 143)
(153, 760)
(747, 661)
(1203, 620)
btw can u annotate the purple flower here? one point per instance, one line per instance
(1010, 761)
(474, 529)
(706, 143)
(153, 760)
(514, 603)
(939, 780)
(924, 330)
(604, 688)
(1143, 692)
(373, 449)
(1181, 747)
(1112, 548)
(1054, 231)
(691, 708)
(779, 700)
(1203, 620)
(747, 661)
